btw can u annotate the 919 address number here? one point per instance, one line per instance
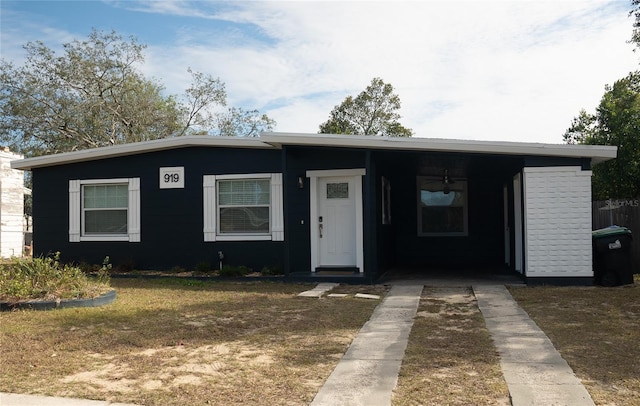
(172, 177)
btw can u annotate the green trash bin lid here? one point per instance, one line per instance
(610, 231)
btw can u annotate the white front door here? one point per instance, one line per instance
(337, 221)
(336, 218)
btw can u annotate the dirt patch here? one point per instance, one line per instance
(176, 366)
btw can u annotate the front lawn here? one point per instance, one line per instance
(597, 331)
(184, 342)
(180, 341)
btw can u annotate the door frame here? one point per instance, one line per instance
(505, 226)
(517, 226)
(314, 176)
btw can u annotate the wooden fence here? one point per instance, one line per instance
(620, 212)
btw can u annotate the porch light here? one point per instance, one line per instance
(300, 182)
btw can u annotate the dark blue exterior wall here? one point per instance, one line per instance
(540, 161)
(299, 160)
(171, 219)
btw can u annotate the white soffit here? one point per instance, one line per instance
(597, 153)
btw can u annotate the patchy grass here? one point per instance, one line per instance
(450, 358)
(180, 341)
(597, 331)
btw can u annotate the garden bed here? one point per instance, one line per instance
(42, 304)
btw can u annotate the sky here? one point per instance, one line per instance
(472, 70)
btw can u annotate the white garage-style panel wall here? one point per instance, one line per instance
(557, 222)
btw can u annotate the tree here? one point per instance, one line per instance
(635, 12)
(372, 112)
(238, 121)
(616, 122)
(94, 96)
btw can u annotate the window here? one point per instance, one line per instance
(104, 210)
(442, 211)
(386, 201)
(243, 207)
(338, 190)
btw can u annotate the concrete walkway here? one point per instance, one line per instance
(535, 372)
(369, 369)
(13, 399)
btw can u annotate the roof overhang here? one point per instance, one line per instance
(597, 153)
(275, 140)
(138, 148)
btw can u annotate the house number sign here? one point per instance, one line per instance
(172, 177)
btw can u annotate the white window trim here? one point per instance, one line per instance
(75, 210)
(465, 210)
(210, 209)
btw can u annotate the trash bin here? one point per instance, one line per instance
(612, 256)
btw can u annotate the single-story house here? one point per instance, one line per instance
(321, 205)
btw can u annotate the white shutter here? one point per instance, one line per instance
(134, 210)
(277, 208)
(209, 207)
(74, 210)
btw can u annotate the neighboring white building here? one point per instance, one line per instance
(11, 206)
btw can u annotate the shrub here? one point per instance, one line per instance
(177, 269)
(234, 271)
(272, 270)
(127, 265)
(104, 273)
(203, 267)
(88, 268)
(46, 278)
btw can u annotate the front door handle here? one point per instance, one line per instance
(320, 228)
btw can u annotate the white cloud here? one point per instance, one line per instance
(474, 70)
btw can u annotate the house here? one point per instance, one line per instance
(322, 205)
(12, 218)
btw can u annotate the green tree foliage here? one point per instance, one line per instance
(238, 121)
(616, 122)
(372, 112)
(635, 12)
(94, 96)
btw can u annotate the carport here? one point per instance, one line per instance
(435, 205)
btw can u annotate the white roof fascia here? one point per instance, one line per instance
(139, 148)
(271, 140)
(597, 153)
